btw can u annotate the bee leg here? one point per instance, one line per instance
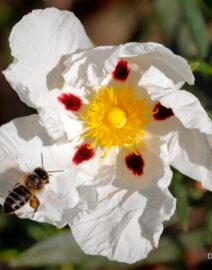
(34, 203)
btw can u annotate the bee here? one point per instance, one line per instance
(25, 190)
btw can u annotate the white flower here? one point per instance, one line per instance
(126, 120)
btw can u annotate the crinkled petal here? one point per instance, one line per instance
(125, 222)
(190, 135)
(62, 124)
(153, 54)
(92, 66)
(153, 154)
(124, 229)
(96, 163)
(80, 80)
(190, 152)
(22, 142)
(40, 43)
(87, 68)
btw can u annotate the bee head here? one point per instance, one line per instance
(42, 174)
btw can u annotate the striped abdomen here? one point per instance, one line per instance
(19, 196)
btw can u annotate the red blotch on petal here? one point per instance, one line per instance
(71, 102)
(121, 71)
(161, 112)
(83, 153)
(135, 163)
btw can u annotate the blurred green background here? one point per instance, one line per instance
(185, 26)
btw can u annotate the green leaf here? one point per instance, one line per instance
(39, 233)
(53, 251)
(194, 240)
(160, 255)
(204, 68)
(181, 194)
(7, 255)
(196, 26)
(201, 67)
(194, 65)
(59, 250)
(62, 250)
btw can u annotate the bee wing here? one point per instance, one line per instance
(10, 178)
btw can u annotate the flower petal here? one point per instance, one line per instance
(39, 43)
(124, 228)
(92, 66)
(190, 152)
(125, 222)
(87, 68)
(153, 154)
(153, 54)
(22, 142)
(189, 134)
(94, 161)
(61, 124)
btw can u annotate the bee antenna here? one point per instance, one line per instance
(41, 155)
(55, 171)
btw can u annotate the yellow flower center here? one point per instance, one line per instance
(116, 117)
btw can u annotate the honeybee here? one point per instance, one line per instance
(25, 190)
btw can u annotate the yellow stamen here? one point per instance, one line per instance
(116, 117)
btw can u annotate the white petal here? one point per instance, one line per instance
(88, 198)
(153, 54)
(88, 68)
(189, 136)
(156, 169)
(40, 43)
(53, 123)
(61, 123)
(156, 83)
(82, 70)
(22, 142)
(125, 227)
(97, 164)
(92, 66)
(190, 152)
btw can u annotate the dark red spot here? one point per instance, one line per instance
(161, 112)
(84, 153)
(135, 163)
(71, 102)
(121, 71)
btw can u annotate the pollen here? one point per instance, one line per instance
(115, 116)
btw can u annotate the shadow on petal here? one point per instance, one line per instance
(54, 77)
(159, 208)
(29, 128)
